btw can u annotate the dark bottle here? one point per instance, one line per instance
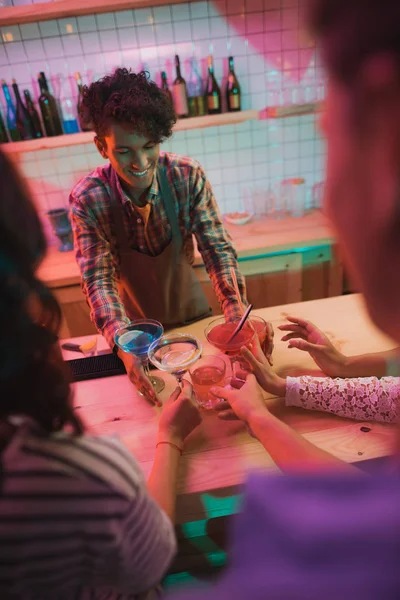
(233, 96)
(11, 116)
(23, 121)
(213, 93)
(179, 93)
(48, 108)
(33, 116)
(164, 85)
(84, 126)
(3, 131)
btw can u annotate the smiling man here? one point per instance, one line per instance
(134, 218)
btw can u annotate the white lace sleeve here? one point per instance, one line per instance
(363, 398)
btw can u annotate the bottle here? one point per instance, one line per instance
(84, 126)
(11, 114)
(233, 96)
(48, 108)
(195, 90)
(68, 109)
(164, 85)
(213, 93)
(23, 121)
(3, 131)
(33, 116)
(179, 93)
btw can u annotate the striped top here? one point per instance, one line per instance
(95, 238)
(76, 520)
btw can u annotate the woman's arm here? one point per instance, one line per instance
(290, 451)
(179, 418)
(362, 399)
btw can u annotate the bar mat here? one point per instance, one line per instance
(95, 367)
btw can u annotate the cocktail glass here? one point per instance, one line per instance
(208, 372)
(175, 353)
(218, 332)
(136, 338)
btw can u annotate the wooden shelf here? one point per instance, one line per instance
(16, 15)
(75, 139)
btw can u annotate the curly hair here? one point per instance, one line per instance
(33, 377)
(130, 99)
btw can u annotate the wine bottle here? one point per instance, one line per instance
(164, 85)
(179, 93)
(84, 126)
(11, 116)
(23, 121)
(3, 131)
(213, 93)
(233, 96)
(33, 116)
(48, 108)
(195, 90)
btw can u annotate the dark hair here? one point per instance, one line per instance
(352, 30)
(33, 377)
(130, 99)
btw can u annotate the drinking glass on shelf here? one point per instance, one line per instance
(294, 192)
(175, 353)
(209, 371)
(136, 338)
(317, 196)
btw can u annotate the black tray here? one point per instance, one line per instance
(95, 367)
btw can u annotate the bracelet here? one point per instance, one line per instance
(172, 445)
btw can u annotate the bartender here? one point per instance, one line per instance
(135, 216)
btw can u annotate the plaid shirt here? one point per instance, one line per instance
(95, 243)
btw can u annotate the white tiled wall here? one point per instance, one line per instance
(275, 64)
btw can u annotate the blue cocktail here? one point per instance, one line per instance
(136, 338)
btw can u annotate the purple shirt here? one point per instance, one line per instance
(316, 538)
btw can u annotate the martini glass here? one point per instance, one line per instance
(175, 353)
(136, 339)
(218, 333)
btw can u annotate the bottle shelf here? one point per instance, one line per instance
(17, 15)
(230, 118)
(74, 139)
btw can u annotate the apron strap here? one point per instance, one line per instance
(117, 212)
(169, 203)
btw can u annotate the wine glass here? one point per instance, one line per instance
(219, 331)
(175, 353)
(136, 338)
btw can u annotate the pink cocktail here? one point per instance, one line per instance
(218, 333)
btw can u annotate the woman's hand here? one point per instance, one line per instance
(179, 417)
(246, 402)
(261, 367)
(138, 377)
(307, 337)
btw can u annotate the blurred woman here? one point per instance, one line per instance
(326, 531)
(76, 517)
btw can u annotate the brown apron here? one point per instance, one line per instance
(162, 287)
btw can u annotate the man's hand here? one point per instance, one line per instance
(138, 377)
(307, 337)
(268, 346)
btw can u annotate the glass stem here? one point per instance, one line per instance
(146, 368)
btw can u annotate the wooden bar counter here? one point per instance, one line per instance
(219, 454)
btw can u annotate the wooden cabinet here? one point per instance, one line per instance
(271, 280)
